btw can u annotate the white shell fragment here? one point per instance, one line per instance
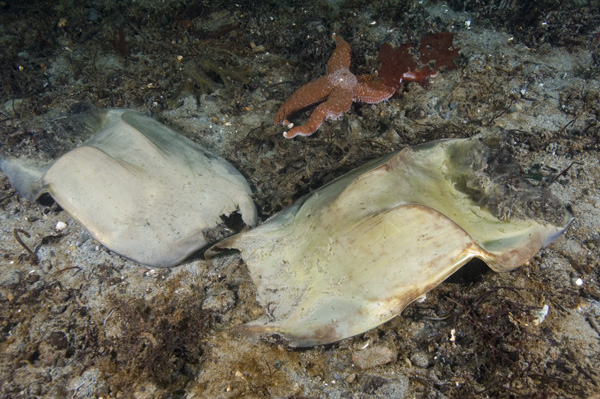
(141, 189)
(356, 252)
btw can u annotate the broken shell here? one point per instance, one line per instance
(141, 189)
(357, 251)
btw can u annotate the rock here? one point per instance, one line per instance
(419, 360)
(373, 356)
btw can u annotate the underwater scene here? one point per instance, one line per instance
(299, 199)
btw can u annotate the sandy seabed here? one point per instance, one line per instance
(78, 321)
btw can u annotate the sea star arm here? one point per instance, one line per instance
(338, 102)
(370, 91)
(340, 58)
(309, 94)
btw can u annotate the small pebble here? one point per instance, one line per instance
(419, 360)
(373, 356)
(60, 226)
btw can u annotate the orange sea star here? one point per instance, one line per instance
(339, 88)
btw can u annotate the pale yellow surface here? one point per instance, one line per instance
(353, 254)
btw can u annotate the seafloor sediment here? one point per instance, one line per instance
(79, 321)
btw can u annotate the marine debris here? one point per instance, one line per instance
(356, 252)
(141, 189)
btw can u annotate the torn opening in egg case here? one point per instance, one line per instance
(140, 188)
(356, 252)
